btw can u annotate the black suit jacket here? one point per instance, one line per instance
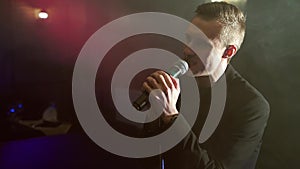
(236, 141)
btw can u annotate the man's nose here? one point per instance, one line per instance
(187, 51)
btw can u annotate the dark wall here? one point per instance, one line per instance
(37, 57)
(270, 60)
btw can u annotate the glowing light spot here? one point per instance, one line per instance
(20, 106)
(43, 15)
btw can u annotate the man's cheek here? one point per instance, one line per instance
(213, 61)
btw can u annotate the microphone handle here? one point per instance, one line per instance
(141, 101)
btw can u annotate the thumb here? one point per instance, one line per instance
(157, 99)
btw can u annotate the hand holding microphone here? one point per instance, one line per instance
(166, 83)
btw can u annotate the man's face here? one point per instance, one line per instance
(206, 58)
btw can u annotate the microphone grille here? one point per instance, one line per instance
(182, 65)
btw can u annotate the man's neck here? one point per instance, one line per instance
(203, 81)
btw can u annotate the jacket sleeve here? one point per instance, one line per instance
(237, 147)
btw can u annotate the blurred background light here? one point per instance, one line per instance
(12, 110)
(20, 106)
(43, 14)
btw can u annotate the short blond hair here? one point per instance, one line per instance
(232, 19)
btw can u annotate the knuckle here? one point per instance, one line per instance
(161, 77)
(155, 74)
(168, 91)
(150, 79)
(161, 72)
(164, 88)
(153, 81)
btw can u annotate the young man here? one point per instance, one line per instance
(236, 141)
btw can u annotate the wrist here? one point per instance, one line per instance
(166, 119)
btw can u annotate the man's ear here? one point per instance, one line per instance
(229, 51)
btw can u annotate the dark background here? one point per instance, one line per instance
(37, 58)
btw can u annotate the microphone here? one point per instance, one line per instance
(177, 70)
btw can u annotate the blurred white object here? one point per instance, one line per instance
(49, 123)
(50, 114)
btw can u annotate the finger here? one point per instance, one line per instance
(147, 87)
(161, 80)
(175, 82)
(168, 80)
(157, 101)
(158, 97)
(152, 82)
